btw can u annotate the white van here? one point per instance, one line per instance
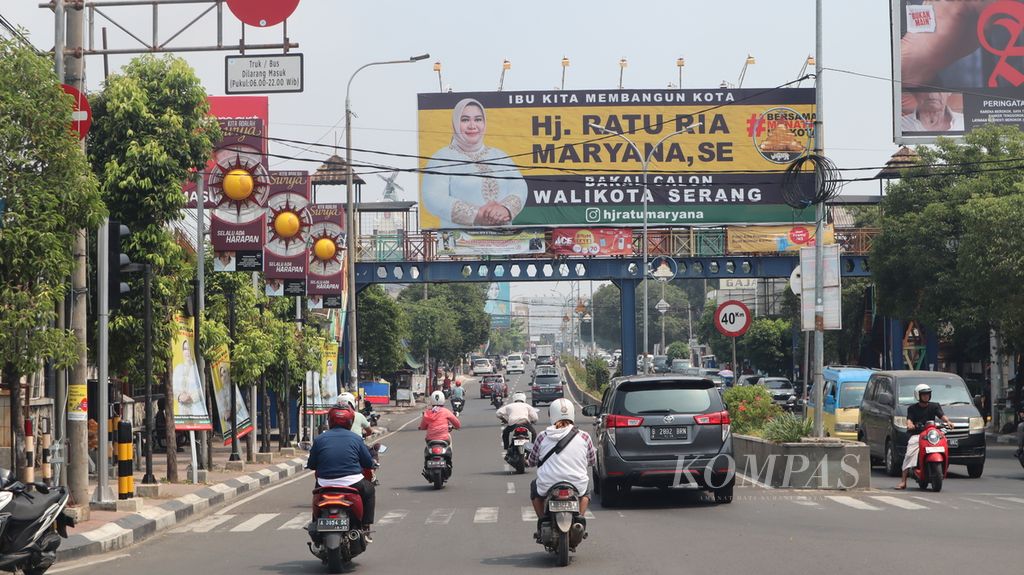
(515, 363)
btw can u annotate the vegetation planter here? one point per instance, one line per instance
(812, 463)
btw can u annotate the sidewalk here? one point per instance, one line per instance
(106, 531)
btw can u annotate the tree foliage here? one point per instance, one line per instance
(678, 294)
(458, 303)
(677, 350)
(150, 127)
(380, 331)
(50, 194)
(510, 339)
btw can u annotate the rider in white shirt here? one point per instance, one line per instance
(517, 414)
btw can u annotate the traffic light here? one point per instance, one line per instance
(117, 261)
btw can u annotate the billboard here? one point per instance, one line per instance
(592, 241)
(285, 254)
(222, 107)
(958, 66)
(498, 305)
(325, 278)
(772, 239)
(220, 369)
(489, 243)
(189, 396)
(517, 159)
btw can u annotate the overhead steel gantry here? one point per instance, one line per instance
(625, 273)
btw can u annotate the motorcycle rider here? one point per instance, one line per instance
(438, 420)
(361, 425)
(516, 414)
(571, 465)
(338, 456)
(458, 392)
(917, 415)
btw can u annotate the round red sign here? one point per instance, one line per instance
(799, 235)
(732, 318)
(262, 13)
(81, 114)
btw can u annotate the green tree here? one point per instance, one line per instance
(380, 331)
(607, 314)
(433, 327)
(766, 345)
(678, 350)
(150, 128)
(50, 194)
(463, 302)
(510, 339)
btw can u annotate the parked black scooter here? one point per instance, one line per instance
(32, 522)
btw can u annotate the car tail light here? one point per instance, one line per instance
(558, 389)
(436, 450)
(535, 388)
(623, 421)
(717, 418)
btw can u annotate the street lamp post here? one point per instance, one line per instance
(350, 231)
(680, 62)
(505, 67)
(645, 164)
(437, 68)
(565, 64)
(622, 67)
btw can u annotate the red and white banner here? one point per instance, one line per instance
(325, 279)
(286, 253)
(592, 242)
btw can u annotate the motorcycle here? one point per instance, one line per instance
(563, 527)
(933, 457)
(372, 416)
(437, 462)
(31, 524)
(457, 405)
(496, 401)
(515, 455)
(335, 532)
(376, 450)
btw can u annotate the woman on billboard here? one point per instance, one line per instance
(456, 187)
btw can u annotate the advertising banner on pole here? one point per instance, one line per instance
(329, 377)
(220, 368)
(488, 243)
(592, 241)
(313, 402)
(189, 401)
(285, 254)
(832, 292)
(498, 305)
(239, 184)
(517, 159)
(325, 279)
(957, 66)
(772, 239)
(223, 107)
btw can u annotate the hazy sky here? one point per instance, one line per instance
(471, 39)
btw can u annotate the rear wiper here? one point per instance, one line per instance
(654, 411)
(960, 403)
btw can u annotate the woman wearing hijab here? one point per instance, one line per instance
(468, 184)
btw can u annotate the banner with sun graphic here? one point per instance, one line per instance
(326, 273)
(239, 185)
(285, 253)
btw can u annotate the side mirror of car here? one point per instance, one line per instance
(591, 410)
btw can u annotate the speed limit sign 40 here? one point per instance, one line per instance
(732, 318)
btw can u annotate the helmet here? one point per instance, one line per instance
(560, 409)
(340, 417)
(922, 388)
(458, 383)
(519, 397)
(437, 398)
(346, 399)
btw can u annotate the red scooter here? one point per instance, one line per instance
(932, 456)
(336, 534)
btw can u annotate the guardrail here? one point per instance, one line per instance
(682, 243)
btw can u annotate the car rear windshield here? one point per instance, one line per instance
(667, 397)
(546, 370)
(778, 384)
(515, 358)
(850, 395)
(547, 380)
(492, 379)
(481, 362)
(944, 391)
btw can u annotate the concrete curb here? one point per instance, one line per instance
(1004, 438)
(578, 390)
(151, 520)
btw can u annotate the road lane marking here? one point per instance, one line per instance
(1013, 499)
(253, 522)
(297, 522)
(851, 502)
(440, 516)
(511, 488)
(804, 500)
(982, 502)
(934, 501)
(508, 468)
(91, 562)
(392, 517)
(264, 491)
(486, 515)
(204, 525)
(528, 513)
(897, 502)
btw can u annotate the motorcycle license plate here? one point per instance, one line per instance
(556, 506)
(933, 449)
(435, 463)
(332, 524)
(519, 442)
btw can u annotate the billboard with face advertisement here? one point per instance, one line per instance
(549, 159)
(958, 65)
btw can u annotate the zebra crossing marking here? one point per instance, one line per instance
(253, 522)
(297, 522)
(441, 516)
(486, 515)
(851, 502)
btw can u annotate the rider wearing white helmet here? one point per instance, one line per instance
(517, 414)
(917, 415)
(572, 464)
(438, 419)
(360, 424)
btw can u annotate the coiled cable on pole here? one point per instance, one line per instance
(799, 191)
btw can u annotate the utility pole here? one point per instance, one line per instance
(73, 74)
(819, 272)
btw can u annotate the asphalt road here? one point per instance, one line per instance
(481, 523)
